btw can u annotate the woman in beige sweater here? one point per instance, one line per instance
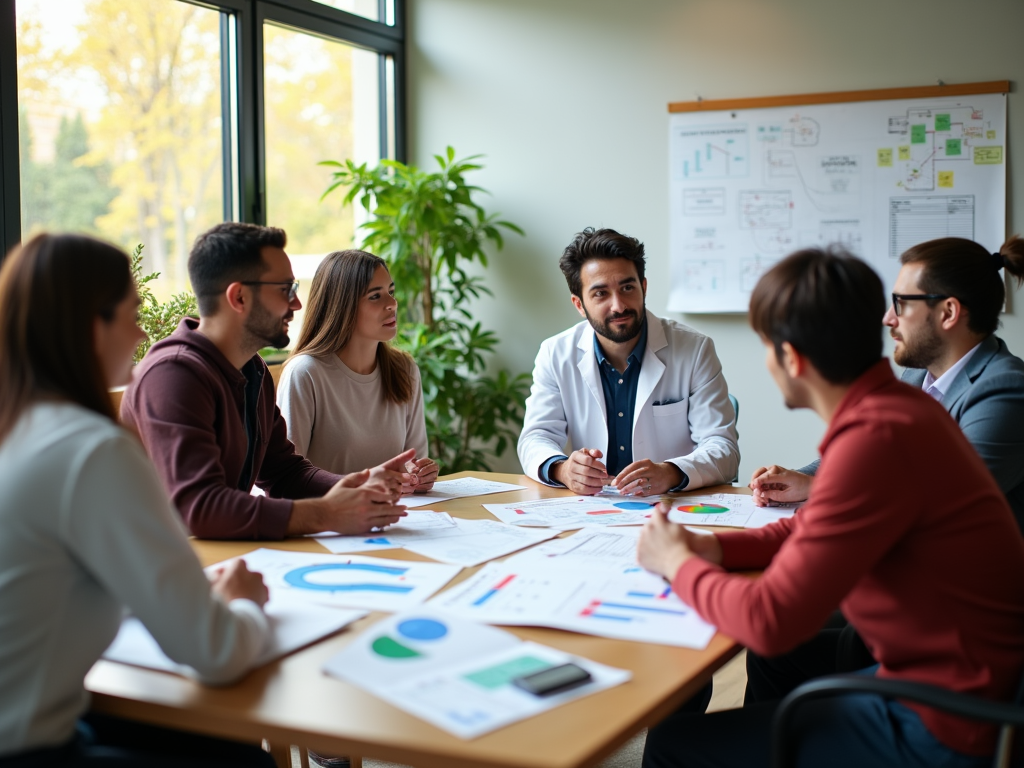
(349, 398)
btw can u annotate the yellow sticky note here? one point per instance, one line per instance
(885, 158)
(904, 151)
(990, 134)
(988, 155)
(946, 179)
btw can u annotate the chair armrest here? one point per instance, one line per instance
(964, 705)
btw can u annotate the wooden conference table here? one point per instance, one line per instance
(291, 701)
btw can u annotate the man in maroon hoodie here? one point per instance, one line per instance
(925, 560)
(202, 401)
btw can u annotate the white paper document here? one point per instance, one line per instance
(349, 580)
(473, 542)
(293, 625)
(732, 510)
(587, 548)
(456, 674)
(446, 490)
(571, 512)
(417, 522)
(621, 602)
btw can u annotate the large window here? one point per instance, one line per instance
(147, 121)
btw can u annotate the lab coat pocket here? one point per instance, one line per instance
(671, 411)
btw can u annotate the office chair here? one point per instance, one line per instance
(784, 745)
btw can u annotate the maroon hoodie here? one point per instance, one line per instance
(187, 403)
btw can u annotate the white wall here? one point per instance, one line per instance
(567, 99)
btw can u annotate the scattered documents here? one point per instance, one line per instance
(570, 512)
(437, 536)
(624, 602)
(349, 580)
(446, 490)
(727, 509)
(456, 674)
(293, 625)
(587, 548)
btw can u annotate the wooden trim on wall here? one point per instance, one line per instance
(839, 97)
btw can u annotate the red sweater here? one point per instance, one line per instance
(908, 533)
(186, 402)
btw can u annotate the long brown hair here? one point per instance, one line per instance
(954, 266)
(338, 286)
(52, 289)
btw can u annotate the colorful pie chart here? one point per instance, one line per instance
(702, 509)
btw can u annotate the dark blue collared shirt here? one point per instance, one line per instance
(619, 403)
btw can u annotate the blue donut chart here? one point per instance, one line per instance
(422, 629)
(632, 505)
(298, 578)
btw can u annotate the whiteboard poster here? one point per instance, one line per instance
(748, 187)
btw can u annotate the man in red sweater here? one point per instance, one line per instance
(925, 561)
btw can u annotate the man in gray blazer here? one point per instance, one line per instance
(944, 314)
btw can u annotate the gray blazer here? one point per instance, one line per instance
(987, 400)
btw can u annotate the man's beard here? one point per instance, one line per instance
(624, 334)
(262, 329)
(922, 351)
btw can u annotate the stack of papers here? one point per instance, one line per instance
(456, 674)
(446, 490)
(293, 626)
(437, 536)
(727, 509)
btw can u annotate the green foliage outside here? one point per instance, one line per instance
(430, 230)
(158, 319)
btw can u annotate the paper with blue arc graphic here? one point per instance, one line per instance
(568, 512)
(457, 674)
(350, 580)
(623, 601)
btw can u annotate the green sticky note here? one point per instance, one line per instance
(952, 147)
(988, 155)
(942, 122)
(917, 134)
(503, 674)
(885, 158)
(904, 150)
(990, 134)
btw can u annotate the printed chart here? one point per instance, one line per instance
(457, 674)
(749, 186)
(350, 580)
(573, 512)
(604, 548)
(731, 510)
(623, 602)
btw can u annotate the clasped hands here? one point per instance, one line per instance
(585, 474)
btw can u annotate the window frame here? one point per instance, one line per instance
(245, 183)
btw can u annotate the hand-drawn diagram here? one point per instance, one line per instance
(874, 177)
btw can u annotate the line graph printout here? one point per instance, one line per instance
(749, 186)
(587, 548)
(627, 603)
(349, 580)
(570, 512)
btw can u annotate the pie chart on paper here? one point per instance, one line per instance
(702, 509)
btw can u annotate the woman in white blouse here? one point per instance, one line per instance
(349, 398)
(86, 529)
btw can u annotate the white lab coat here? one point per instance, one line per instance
(683, 413)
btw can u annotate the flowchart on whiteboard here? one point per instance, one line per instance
(750, 186)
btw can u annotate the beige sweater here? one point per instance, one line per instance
(340, 420)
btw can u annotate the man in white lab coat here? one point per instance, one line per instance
(641, 400)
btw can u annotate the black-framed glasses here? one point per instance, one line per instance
(293, 286)
(897, 307)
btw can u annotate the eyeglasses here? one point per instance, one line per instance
(898, 297)
(293, 286)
